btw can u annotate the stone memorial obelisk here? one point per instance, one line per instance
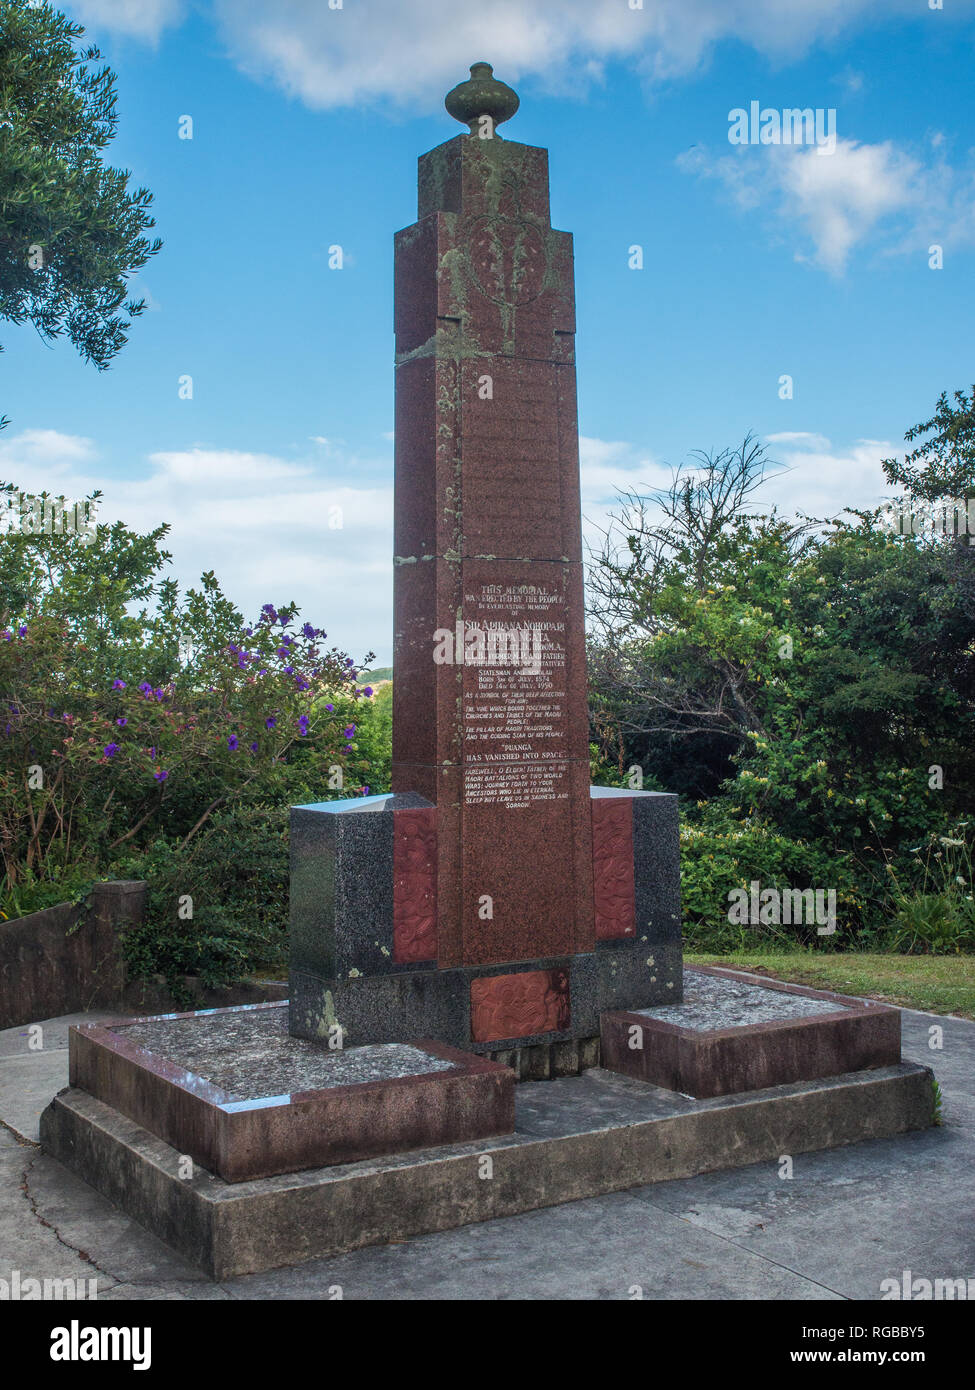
(494, 900)
(493, 903)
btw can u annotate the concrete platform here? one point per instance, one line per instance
(732, 1033)
(236, 1092)
(576, 1137)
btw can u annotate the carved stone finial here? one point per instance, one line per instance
(481, 95)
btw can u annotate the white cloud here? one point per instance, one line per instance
(45, 453)
(265, 525)
(799, 439)
(822, 480)
(813, 478)
(409, 52)
(841, 197)
(139, 19)
(608, 467)
(859, 194)
(262, 523)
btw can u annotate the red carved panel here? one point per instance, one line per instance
(520, 1005)
(415, 885)
(612, 867)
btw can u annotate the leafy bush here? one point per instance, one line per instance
(716, 860)
(219, 908)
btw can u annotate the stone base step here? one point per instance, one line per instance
(576, 1137)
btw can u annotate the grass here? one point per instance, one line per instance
(936, 984)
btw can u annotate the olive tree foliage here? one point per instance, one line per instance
(71, 230)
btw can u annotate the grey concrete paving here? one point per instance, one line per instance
(844, 1221)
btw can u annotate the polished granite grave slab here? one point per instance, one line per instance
(231, 1089)
(732, 1034)
(575, 1137)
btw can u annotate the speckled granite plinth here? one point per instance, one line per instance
(366, 953)
(233, 1090)
(732, 1034)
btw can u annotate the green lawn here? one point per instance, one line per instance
(938, 984)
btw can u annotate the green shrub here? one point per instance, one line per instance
(716, 860)
(219, 908)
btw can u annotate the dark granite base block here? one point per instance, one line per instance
(436, 1003)
(285, 1103)
(579, 1137)
(691, 1049)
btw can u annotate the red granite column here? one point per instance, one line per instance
(488, 539)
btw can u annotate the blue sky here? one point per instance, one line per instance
(307, 122)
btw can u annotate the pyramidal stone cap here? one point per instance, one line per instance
(481, 95)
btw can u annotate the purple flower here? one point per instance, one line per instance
(330, 708)
(117, 684)
(289, 670)
(283, 653)
(253, 746)
(269, 613)
(364, 791)
(161, 775)
(121, 723)
(309, 632)
(232, 743)
(270, 722)
(303, 725)
(350, 731)
(6, 635)
(152, 752)
(301, 683)
(110, 750)
(368, 690)
(22, 631)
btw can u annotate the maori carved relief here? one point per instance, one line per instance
(520, 1005)
(414, 885)
(612, 867)
(507, 259)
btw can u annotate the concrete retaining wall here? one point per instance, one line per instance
(65, 959)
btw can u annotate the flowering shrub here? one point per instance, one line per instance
(91, 766)
(139, 725)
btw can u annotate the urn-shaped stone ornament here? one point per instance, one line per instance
(481, 95)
